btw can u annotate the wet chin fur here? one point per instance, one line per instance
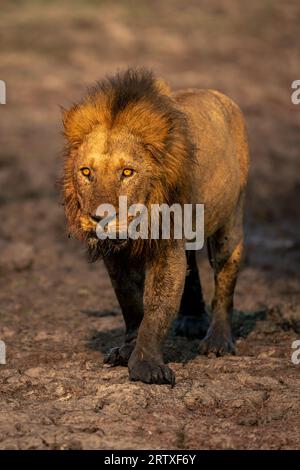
(98, 249)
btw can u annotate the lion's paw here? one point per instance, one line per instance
(151, 373)
(119, 356)
(218, 343)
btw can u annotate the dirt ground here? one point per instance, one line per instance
(59, 313)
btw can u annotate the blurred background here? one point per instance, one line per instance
(50, 51)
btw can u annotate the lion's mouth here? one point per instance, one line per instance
(98, 249)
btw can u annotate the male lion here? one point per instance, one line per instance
(131, 136)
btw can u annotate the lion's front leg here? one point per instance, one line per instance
(164, 285)
(127, 277)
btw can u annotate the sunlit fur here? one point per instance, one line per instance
(136, 101)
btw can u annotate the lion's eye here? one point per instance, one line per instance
(86, 171)
(127, 172)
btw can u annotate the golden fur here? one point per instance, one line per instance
(140, 104)
(184, 147)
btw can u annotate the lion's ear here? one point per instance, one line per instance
(79, 120)
(67, 118)
(64, 115)
(162, 86)
(74, 124)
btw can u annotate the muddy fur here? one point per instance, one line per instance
(184, 147)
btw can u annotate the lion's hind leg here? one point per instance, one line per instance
(192, 321)
(226, 249)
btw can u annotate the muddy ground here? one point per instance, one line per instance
(59, 313)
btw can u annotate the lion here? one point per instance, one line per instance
(133, 136)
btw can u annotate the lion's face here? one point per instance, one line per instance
(127, 138)
(109, 165)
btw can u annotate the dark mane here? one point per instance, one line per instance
(128, 87)
(134, 100)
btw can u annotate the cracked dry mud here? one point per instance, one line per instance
(59, 314)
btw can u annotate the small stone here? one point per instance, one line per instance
(248, 421)
(266, 354)
(238, 403)
(60, 391)
(34, 372)
(66, 397)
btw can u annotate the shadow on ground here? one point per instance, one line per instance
(176, 349)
